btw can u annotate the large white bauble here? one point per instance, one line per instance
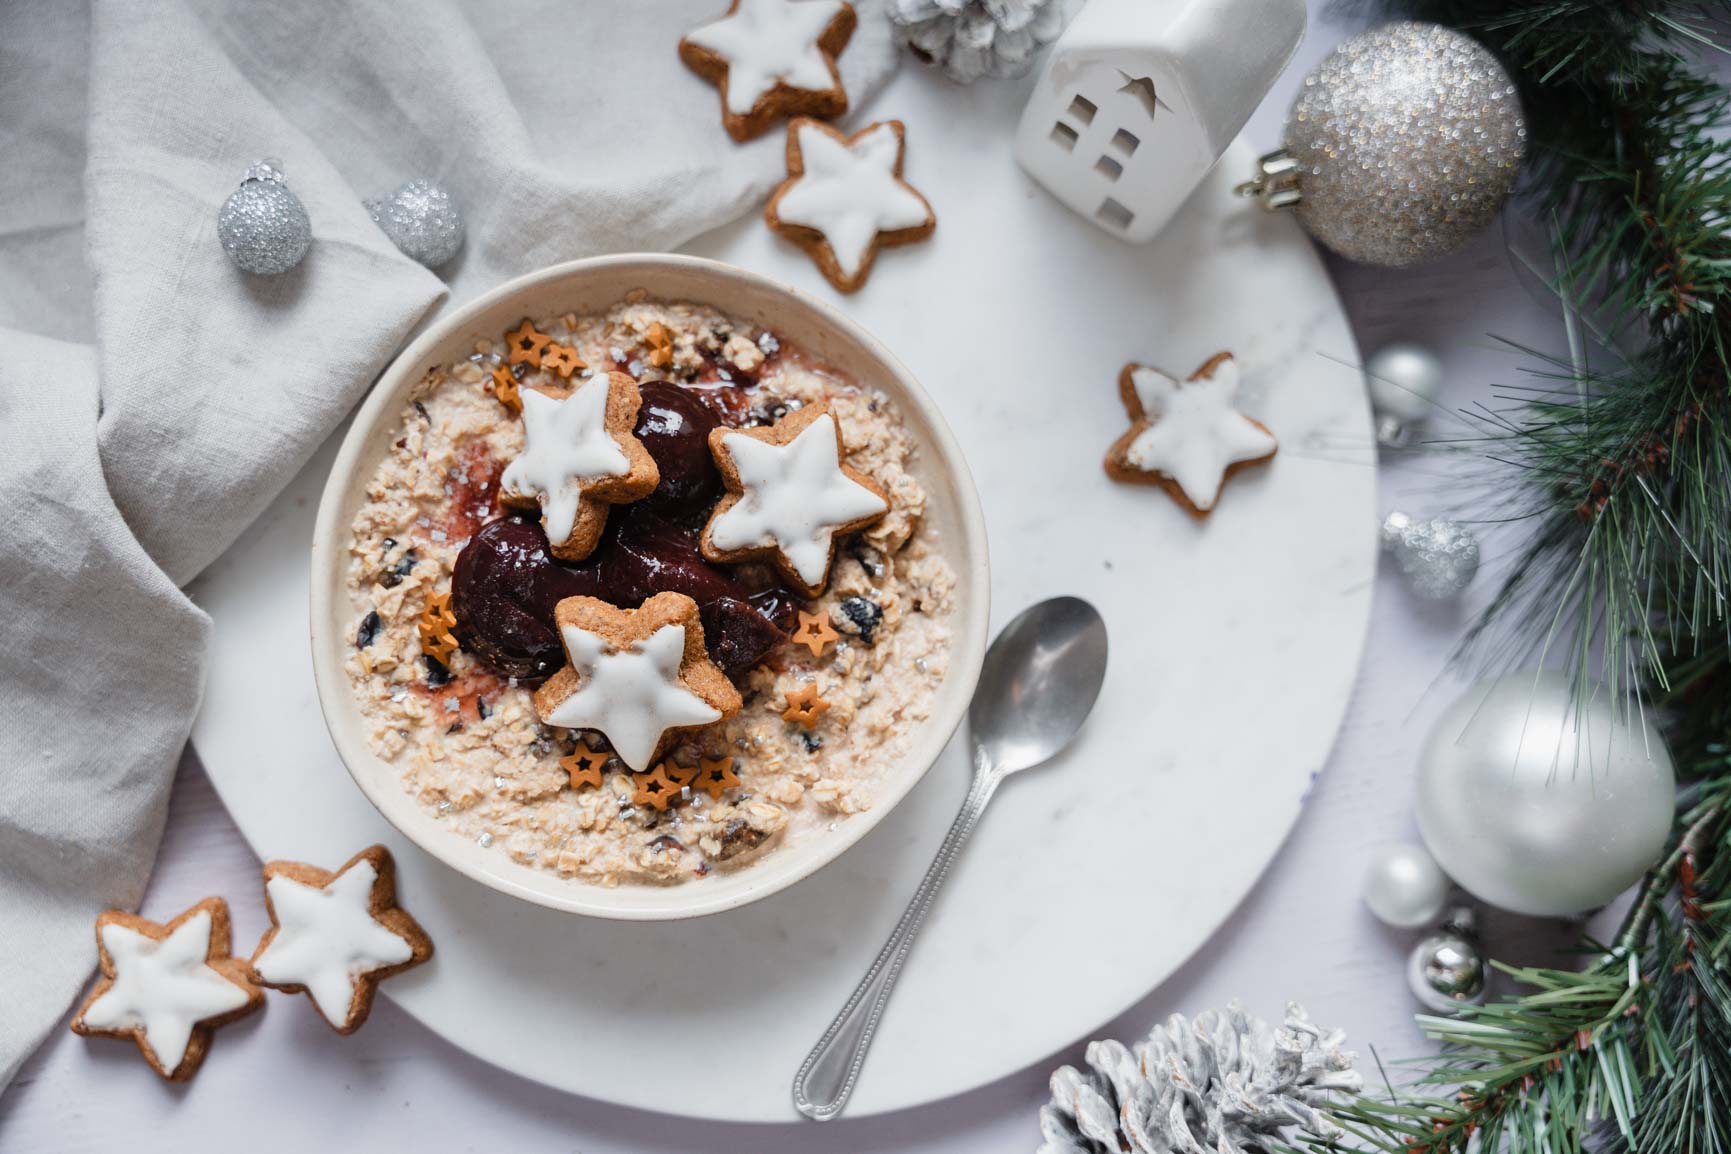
(1538, 807)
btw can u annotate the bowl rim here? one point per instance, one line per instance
(971, 614)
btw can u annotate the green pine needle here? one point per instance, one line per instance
(1622, 482)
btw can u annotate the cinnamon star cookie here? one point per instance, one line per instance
(1186, 436)
(579, 456)
(788, 496)
(772, 59)
(167, 987)
(639, 676)
(844, 198)
(336, 936)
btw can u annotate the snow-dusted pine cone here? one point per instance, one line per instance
(1219, 1085)
(969, 39)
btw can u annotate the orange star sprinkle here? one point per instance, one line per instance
(814, 631)
(526, 343)
(660, 345)
(584, 766)
(682, 775)
(562, 359)
(435, 625)
(505, 389)
(805, 706)
(655, 788)
(716, 777)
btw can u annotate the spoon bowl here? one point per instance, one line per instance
(1040, 680)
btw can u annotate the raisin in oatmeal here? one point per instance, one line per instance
(435, 559)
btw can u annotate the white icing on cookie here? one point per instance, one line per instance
(1196, 433)
(794, 497)
(327, 938)
(850, 192)
(164, 988)
(633, 696)
(766, 42)
(566, 445)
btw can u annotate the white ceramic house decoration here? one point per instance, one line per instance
(1139, 98)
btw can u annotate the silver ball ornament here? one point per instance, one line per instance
(1446, 970)
(1439, 558)
(421, 219)
(1403, 381)
(264, 228)
(1401, 146)
(1540, 803)
(1404, 887)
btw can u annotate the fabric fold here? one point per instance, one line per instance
(154, 399)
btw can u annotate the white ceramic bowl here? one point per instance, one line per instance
(953, 512)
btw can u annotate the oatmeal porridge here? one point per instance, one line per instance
(455, 591)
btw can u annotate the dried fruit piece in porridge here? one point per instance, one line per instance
(506, 585)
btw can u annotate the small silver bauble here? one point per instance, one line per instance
(1446, 970)
(1403, 381)
(1541, 801)
(421, 219)
(1404, 887)
(1401, 146)
(1439, 558)
(263, 226)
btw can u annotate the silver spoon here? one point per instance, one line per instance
(1040, 679)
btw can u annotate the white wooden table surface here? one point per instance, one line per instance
(284, 1082)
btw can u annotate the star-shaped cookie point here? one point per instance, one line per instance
(805, 706)
(561, 359)
(716, 777)
(579, 456)
(435, 627)
(584, 766)
(167, 987)
(773, 59)
(505, 389)
(335, 935)
(525, 343)
(659, 788)
(814, 631)
(789, 496)
(844, 198)
(639, 676)
(1186, 436)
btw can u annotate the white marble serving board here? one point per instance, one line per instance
(1234, 647)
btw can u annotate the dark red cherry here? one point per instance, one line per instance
(506, 584)
(674, 424)
(503, 590)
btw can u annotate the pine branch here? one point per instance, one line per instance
(1623, 479)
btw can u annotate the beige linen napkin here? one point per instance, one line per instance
(153, 399)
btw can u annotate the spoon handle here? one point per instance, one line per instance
(827, 1076)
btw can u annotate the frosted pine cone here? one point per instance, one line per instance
(1225, 1082)
(969, 39)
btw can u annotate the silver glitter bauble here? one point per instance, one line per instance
(1447, 970)
(263, 226)
(421, 219)
(1404, 887)
(1403, 381)
(1438, 557)
(1540, 801)
(1401, 146)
